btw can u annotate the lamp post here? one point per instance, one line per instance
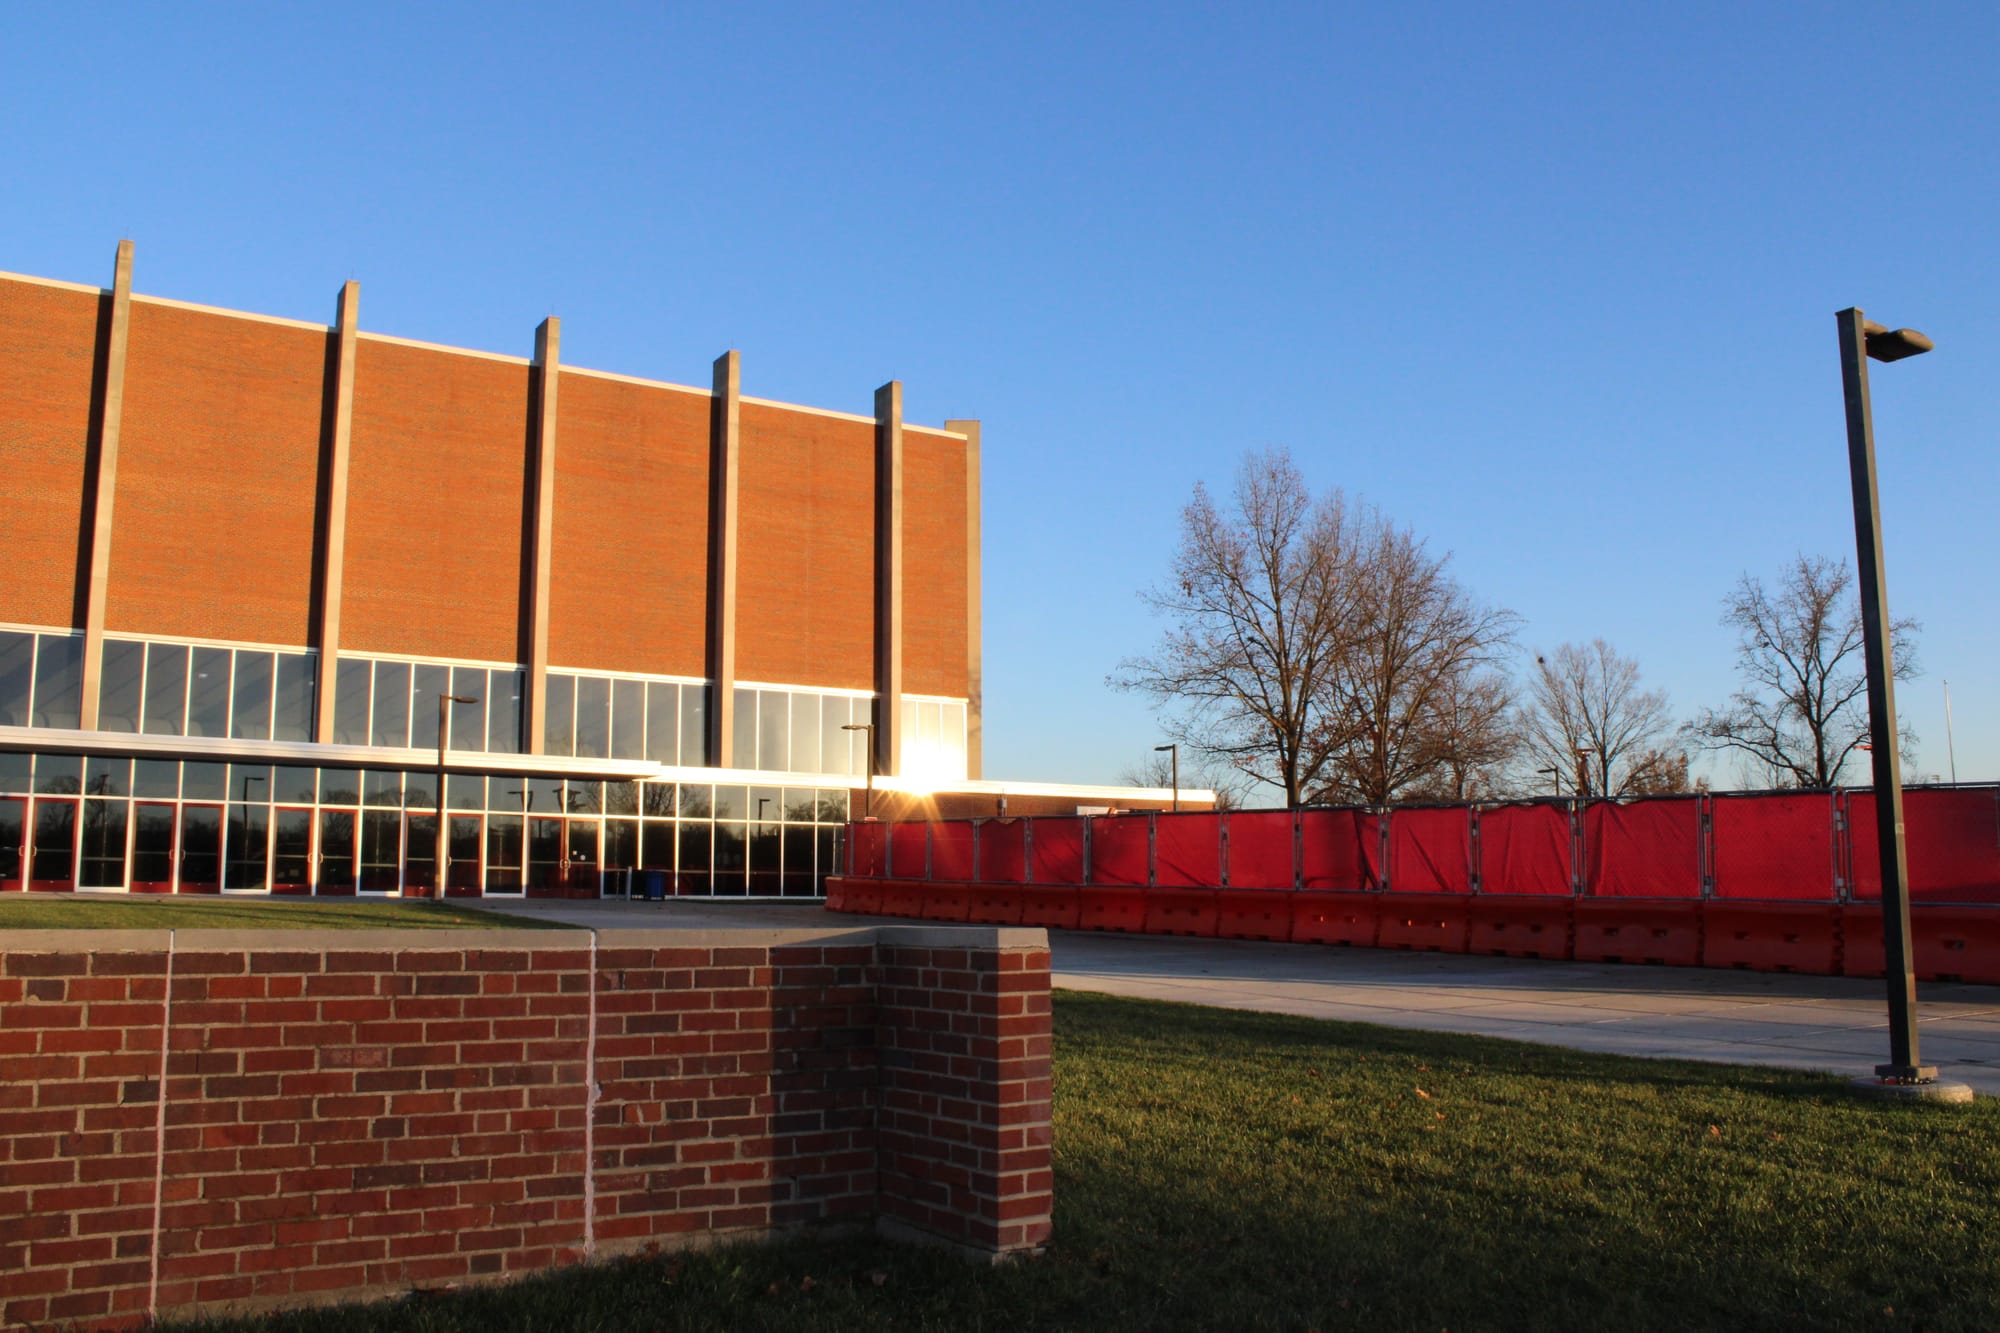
(1555, 779)
(443, 825)
(1859, 340)
(1583, 753)
(1177, 770)
(867, 792)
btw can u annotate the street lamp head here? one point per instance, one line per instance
(1162, 749)
(1894, 344)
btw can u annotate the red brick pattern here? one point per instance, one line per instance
(934, 643)
(345, 1119)
(49, 335)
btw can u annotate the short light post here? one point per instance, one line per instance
(1176, 750)
(1555, 779)
(443, 825)
(868, 791)
(1861, 339)
(1583, 753)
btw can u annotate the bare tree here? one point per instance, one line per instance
(1803, 708)
(1587, 697)
(1660, 771)
(1157, 770)
(1477, 737)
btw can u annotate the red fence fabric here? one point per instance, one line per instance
(1058, 850)
(1647, 849)
(908, 846)
(1339, 849)
(1951, 843)
(870, 842)
(1187, 851)
(1003, 857)
(951, 850)
(1525, 849)
(1773, 845)
(1118, 851)
(1430, 851)
(1260, 850)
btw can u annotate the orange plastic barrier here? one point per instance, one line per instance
(946, 902)
(1430, 922)
(1772, 937)
(1525, 849)
(951, 849)
(1325, 917)
(1636, 930)
(902, 897)
(1254, 914)
(1643, 849)
(1118, 851)
(1187, 850)
(1260, 849)
(1946, 943)
(993, 904)
(1112, 909)
(1051, 906)
(1861, 953)
(861, 896)
(1180, 912)
(1518, 926)
(1430, 851)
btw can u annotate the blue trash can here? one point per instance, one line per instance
(655, 882)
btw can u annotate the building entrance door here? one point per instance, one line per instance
(583, 863)
(52, 858)
(336, 852)
(201, 849)
(548, 858)
(381, 851)
(291, 850)
(463, 841)
(152, 847)
(13, 841)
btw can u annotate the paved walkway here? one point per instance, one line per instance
(1766, 1018)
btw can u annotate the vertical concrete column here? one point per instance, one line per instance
(548, 341)
(889, 578)
(975, 671)
(104, 463)
(331, 558)
(725, 437)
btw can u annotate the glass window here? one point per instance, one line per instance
(691, 863)
(350, 701)
(730, 802)
(204, 782)
(663, 722)
(545, 795)
(250, 715)
(799, 879)
(951, 743)
(292, 718)
(764, 860)
(805, 733)
(468, 721)
(381, 787)
(429, 685)
(628, 719)
(801, 805)
(697, 800)
(559, 730)
(293, 785)
(208, 693)
(584, 798)
(107, 777)
(420, 790)
(465, 791)
(621, 851)
(910, 723)
(836, 747)
(766, 805)
(59, 681)
(657, 800)
(505, 793)
(166, 689)
(250, 784)
(340, 786)
(745, 754)
(59, 774)
(15, 770)
(122, 689)
(730, 861)
(833, 804)
(656, 845)
(156, 779)
(17, 677)
(392, 705)
(503, 712)
(593, 717)
(621, 798)
(774, 749)
(694, 725)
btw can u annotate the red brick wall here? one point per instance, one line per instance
(437, 501)
(367, 1114)
(50, 339)
(805, 574)
(218, 477)
(629, 580)
(934, 643)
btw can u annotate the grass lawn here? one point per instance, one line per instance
(64, 911)
(1227, 1170)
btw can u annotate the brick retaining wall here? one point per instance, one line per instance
(349, 1114)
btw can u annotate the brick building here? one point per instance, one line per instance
(266, 583)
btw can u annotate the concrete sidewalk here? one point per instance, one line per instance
(1765, 1018)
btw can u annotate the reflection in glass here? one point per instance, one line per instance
(657, 800)
(166, 689)
(548, 856)
(201, 848)
(208, 693)
(503, 712)
(291, 850)
(420, 851)
(800, 879)
(833, 805)
(380, 787)
(381, 845)
(584, 798)
(350, 702)
(107, 777)
(746, 729)
(731, 802)
(503, 853)
(656, 845)
(250, 715)
(294, 785)
(805, 732)
(837, 746)
(429, 685)
(508, 794)
(694, 725)
(122, 688)
(628, 719)
(559, 731)
(59, 680)
(336, 851)
(468, 721)
(593, 717)
(774, 750)
(663, 722)
(801, 805)
(392, 705)
(420, 790)
(103, 844)
(15, 770)
(204, 782)
(730, 861)
(53, 857)
(697, 800)
(250, 782)
(17, 677)
(248, 852)
(692, 864)
(465, 791)
(340, 786)
(59, 774)
(156, 777)
(292, 718)
(766, 804)
(621, 798)
(545, 795)
(152, 848)
(764, 860)
(462, 854)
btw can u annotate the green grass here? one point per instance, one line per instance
(77, 912)
(1229, 1170)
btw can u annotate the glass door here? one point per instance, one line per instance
(52, 862)
(420, 848)
(503, 853)
(291, 850)
(381, 851)
(13, 828)
(201, 849)
(548, 858)
(583, 863)
(462, 843)
(336, 852)
(152, 847)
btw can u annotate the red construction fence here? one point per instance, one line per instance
(1774, 880)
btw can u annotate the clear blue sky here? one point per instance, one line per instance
(1553, 284)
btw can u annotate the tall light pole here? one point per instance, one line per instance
(1859, 340)
(867, 792)
(1583, 753)
(1177, 769)
(1950, 748)
(443, 825)
(1555, 779)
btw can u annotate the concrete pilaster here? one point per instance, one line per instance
(331, 559)
(975, 689)
(548, 339)
(724, 446)
(889, 578)
(104, 467)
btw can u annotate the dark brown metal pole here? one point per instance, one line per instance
(1899, 966)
